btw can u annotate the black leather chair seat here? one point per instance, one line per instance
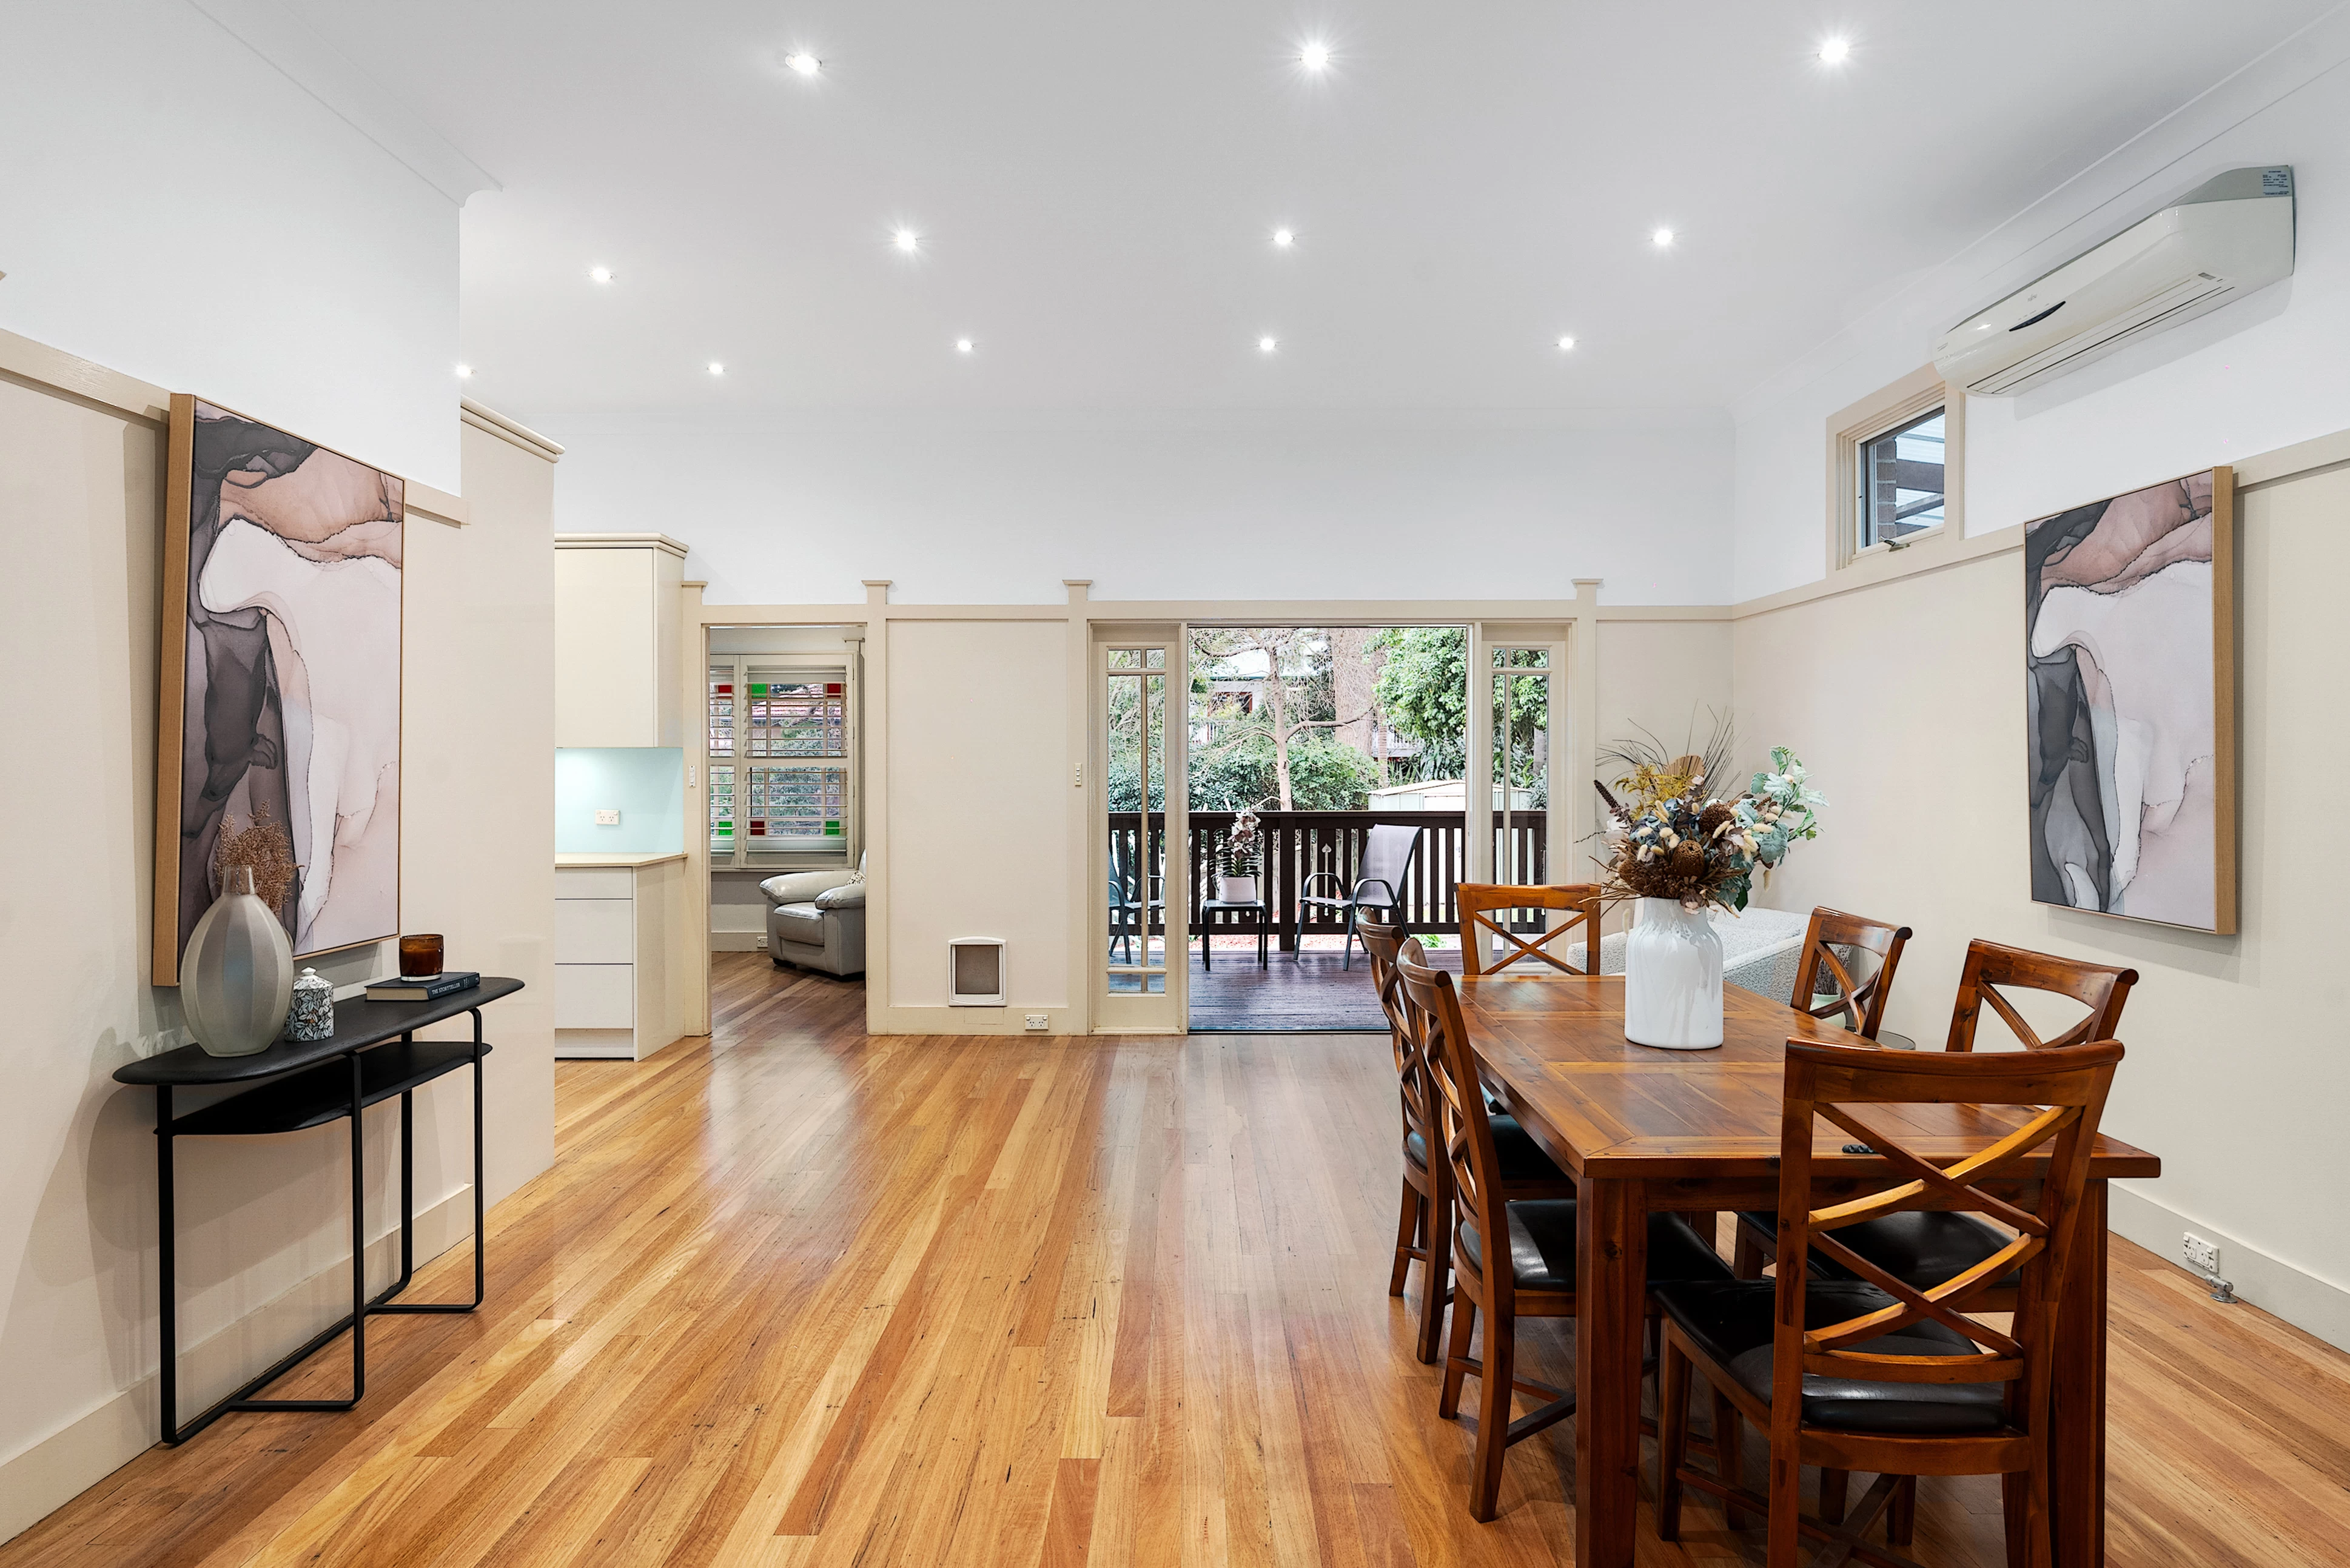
(1542, 1247)
(1732, 1323)
(1919, 1247)
(1521, 1157)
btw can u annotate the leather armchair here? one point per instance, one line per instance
(816, 919)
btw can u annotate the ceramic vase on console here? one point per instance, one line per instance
(1673, 978)
(236, 979)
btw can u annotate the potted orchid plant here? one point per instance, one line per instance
(1238, 858)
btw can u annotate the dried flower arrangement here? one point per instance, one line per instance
(1672, 840)
(263, 847)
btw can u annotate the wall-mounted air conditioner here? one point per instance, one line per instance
(2227, 237)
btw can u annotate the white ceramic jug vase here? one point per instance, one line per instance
(1672, 979)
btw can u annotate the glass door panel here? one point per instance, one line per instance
(1143, 917)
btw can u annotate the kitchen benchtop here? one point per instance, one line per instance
(576, 862)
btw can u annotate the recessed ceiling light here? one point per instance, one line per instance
(716, 368)
(1662, 238)
(803, 62)
(600, 274)
(1267, 345)
(1284, 238)
(907, 241)
(962, 345)
(1565, 343)
(1834, 51)
(1315, 56)
(464, 373)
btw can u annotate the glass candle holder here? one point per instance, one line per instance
(420, 957)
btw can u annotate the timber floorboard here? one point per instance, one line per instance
(795, 1296)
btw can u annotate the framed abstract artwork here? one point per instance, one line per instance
(279, 707)
(2130, 652)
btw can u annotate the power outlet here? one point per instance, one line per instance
(607, 819)
(2202, 1256)
(1039, 1021)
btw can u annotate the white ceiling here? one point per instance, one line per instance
(1095, 185)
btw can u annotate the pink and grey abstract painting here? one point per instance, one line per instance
(2126, 619)
(287, 706)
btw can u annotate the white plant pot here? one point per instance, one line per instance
(1672, 979)
(1236, 889)
(236, 979)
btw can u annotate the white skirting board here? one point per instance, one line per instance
(2312, 1304)
(53, 1471)
(603, 1045)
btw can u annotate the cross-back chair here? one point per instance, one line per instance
(2100, 988)
(1479, 902)
(1424, 1222)
(1862, 1003)
(1877, 1373)
(1532, 1271)
(1931, 1244)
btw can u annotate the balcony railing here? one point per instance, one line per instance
(1298, 844)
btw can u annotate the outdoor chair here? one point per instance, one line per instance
(1387, 860)
(1132, 908)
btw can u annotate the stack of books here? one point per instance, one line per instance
(422, 988)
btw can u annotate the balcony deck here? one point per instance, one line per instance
(1304, 990)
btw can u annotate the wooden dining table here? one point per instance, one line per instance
(1697, 1132)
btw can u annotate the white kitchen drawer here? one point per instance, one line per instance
(595, 996)
(595, 930)
(594, 882)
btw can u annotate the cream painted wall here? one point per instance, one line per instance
(1666, 676)
(180, 208)
(262, 1230)
(477, 826)
(1906, 701)
(975, 837)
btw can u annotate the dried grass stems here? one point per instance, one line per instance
(263, 847)
(1672, 840)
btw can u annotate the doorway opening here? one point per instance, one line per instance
(1328, 778)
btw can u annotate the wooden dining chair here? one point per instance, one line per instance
(1874, 1373)
(1928, 1244)
(1861, 1004)
(1533, 1275)
(1478, 902)
(1424, 1223)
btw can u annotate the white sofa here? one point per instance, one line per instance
(816, 919)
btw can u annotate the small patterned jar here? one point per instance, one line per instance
(312, 1016)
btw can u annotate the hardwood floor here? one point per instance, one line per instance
(794, 1296)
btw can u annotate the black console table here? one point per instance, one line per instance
(371, 1056)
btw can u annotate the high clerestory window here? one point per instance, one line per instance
(1896, 470)
(1900, 475)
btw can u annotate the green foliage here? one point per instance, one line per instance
(1324, 775)
(1424, 690)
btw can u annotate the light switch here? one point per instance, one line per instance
(607, 819)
